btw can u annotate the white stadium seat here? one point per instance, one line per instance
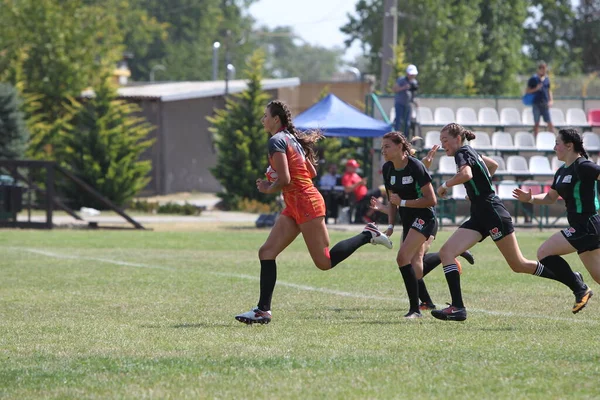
(443, 115)
(505, 189)
(481, 141)
(392, 114)
(545, 141)
(524, 141)
(447, 165)
(556, 163)
(424, 116)
(557, 117)
(459, 192)
(466, 116)
(576, 117)
(517, 165)
(540, 165)
(501, 164)
(510, 116)
(502, 141)
(432, 138)
(488, 116)
(591, 141)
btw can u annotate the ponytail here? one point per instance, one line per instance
(456, 130)
(306, 139)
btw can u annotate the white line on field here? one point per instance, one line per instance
(287, 284)
(369, 297)
(309, 288)
(103, 260)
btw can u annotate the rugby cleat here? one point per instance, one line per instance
(450, 313)
(413, 315)
(254, 316)
(582, 297)
(377, 237)
(426, 306)
(467, 255)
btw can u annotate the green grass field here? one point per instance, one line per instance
(111, 314)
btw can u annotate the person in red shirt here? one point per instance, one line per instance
(353, 183)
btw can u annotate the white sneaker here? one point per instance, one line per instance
(255, 316)
(378, 237)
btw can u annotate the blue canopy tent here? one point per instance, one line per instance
(337, 118)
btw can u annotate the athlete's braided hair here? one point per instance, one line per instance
(307, 140)
(570, 135)
(455, 130)
(399, 138)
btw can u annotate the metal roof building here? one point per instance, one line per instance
(183, 152)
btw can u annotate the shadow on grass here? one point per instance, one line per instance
(200, 325)
(243, 228)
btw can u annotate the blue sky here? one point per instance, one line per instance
(316, 21)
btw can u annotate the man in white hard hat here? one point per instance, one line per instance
(405, 89)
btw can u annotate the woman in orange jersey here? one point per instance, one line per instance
(292, 157)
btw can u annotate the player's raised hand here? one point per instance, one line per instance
(522, 195)
(428, 159)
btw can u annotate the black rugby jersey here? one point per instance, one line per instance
(576, 184)
(407, 183)
(480, 186)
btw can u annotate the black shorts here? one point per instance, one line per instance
(490, 218)
(426, 226)
(584, 233)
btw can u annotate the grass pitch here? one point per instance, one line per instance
(110, 314)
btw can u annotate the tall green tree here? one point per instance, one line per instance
(103, 146)
(240, 139)
(54, 50)
(191, 28)
(502, 36)
(549, 33)
(587, 34)
(13, 130)
(442, 38)
(367, 28)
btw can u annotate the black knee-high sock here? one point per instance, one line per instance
(412, 288)
(430, 261)
(268, 277)
(453, 279)
(345, 248)
(423, 293)
(562, 272)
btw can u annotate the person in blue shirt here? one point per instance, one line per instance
(405, 91)
(542, 101)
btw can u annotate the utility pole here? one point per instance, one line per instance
(390, 38)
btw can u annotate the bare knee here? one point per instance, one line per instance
(446, 255)
(267, 253)
(323, 265)
(542, 253)
(402, 260)
(522, 266)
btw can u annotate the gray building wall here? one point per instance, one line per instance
(183, 151)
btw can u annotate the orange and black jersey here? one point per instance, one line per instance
(285, 142)
(576, 184)
(479, 187)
